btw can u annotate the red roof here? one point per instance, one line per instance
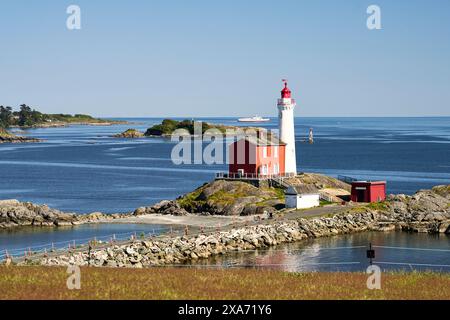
(367, 183)
(263, 141)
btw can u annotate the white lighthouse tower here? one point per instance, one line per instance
(286, 107)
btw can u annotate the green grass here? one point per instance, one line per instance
(380, 206)
(324, 203)
(279, 193)
(442, 190)
(182, 283)
(189, 201)
(359, 209)
(4, 133)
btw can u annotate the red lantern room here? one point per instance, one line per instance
(286, 92)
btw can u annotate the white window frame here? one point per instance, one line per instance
(264, 169)
(264, 152)
(275, 151)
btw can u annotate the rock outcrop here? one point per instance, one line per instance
(164, 207)
(231, 198)
(14, 213)
(425, 211)
(130, 134)
(6, 137)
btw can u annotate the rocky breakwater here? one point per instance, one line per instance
(14, 213)
(173, 250)
(394, 214)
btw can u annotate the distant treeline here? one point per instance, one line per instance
(28, 117)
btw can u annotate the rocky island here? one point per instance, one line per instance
(168, 126)
(129, 134)
(14, 213)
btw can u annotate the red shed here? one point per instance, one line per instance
(368, 191)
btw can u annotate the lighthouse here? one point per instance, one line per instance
(286, 107)
(262, 157)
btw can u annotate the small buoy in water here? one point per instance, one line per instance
(311, 136)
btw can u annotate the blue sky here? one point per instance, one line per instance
(226, 58)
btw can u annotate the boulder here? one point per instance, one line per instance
(140, 211)
(14, 213)
(130, 134)
(444, 227)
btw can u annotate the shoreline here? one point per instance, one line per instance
(68, 124)
(180, 249)
(427, 211)
(177, 249)
(420, 208)
(7, 136)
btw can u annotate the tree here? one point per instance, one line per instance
(5, 116)
(25, 116)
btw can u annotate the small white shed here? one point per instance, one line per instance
(302, 197)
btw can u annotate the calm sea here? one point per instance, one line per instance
(82, 169)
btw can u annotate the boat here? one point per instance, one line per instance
(254, 119)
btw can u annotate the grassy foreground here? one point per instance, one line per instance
(184, 283)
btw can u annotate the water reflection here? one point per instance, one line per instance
(346, 253)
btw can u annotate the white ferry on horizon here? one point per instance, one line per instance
(254, 119)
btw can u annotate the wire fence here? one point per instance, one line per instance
(78, 243)
(98, 242)
(409, 248)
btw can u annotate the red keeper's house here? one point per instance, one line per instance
(257, 157)
(368, 191)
